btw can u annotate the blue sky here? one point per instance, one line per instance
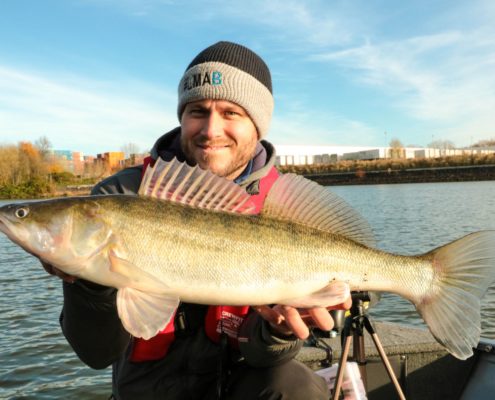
(94, 75)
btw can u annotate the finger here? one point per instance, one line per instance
(342, 306)
(269, 314)
(321, 318)
(295, 322)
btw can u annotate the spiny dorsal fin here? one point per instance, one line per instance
(297, 199)
(178, 182)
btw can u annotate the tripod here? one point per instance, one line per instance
(353, 329)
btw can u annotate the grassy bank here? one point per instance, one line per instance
(52, 185)
(390, 164)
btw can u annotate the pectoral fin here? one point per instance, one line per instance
(145, 314)
(143, 304)
(335, 293)
(130, 275)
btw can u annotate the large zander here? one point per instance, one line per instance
(191, 236)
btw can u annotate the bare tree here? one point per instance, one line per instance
(396, 148)
(130, 149)
(442, 144)
(44, 147)
(484, 143)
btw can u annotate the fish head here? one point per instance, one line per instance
(62, 232)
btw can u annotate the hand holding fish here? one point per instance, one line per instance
(287, 320)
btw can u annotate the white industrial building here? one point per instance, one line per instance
(303, 154)
(306, 155)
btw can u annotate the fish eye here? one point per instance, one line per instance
(21, 212)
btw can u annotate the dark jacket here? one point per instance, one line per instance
(91, 325)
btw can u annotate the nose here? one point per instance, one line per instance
(213, 126)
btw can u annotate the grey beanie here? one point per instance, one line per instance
(229, 71)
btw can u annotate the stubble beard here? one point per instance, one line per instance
(232, 169)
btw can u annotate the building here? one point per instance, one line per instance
(77, 163)
(304, 154)
(134, 159)
(307, 155)
(111, 159)
(63, 154)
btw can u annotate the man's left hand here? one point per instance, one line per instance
(287, 320)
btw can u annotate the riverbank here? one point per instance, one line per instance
(359, 174)
(408, 175)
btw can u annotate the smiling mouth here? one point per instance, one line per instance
(205, 147)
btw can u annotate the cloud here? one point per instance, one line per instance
(444, 78)
(292, 23)
(310, 126)
(80, 114)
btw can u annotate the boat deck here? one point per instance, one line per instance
(422, 366)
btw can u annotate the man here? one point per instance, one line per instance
(225, 107)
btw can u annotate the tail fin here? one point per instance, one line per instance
(464, 269)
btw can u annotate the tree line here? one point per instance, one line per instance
(30, 170)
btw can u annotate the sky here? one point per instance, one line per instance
(96, 75)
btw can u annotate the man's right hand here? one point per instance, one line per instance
(56, 272)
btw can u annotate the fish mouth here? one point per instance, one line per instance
(3, 225)
(6, 228)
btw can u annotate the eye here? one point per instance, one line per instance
(21, 212)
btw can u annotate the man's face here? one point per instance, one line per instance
(218, 135)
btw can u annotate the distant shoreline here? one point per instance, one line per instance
(408, 175)
(468, 173)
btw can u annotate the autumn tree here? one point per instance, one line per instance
(30, 162)
(9, 162)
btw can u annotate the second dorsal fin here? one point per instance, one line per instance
(297, 199)
(178, 182)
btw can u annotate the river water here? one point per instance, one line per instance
(37, 363)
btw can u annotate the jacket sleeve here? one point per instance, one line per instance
(89, 317)
(90, 322)
(261, 348)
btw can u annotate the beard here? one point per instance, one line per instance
(228, 162)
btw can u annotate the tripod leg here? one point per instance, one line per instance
(341, 369)
(358, 354)
(384, 358)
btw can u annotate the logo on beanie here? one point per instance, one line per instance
(208, 78)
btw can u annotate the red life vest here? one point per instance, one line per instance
(218, 319)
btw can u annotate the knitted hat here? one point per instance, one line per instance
(229, 71)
